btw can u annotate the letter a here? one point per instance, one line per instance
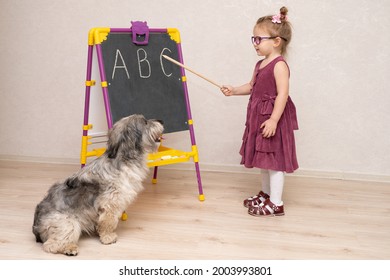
(123, 66)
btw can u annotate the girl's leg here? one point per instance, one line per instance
(274, 205)
(276, 186)
(263, 194)
(265, 181)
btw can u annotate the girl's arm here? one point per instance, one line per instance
(281, 73)
(241, 90)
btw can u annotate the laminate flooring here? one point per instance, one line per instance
(325, 219)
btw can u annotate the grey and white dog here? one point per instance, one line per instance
(93, 199)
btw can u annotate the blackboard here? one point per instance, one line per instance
(141, 81)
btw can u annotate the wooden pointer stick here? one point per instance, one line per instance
(189, 69)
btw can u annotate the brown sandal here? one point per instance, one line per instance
(255, 200)
(266, 209)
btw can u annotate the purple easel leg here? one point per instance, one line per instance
(154, 180)
(86, 105)
(190, 125)
(199, 180)
(104, 86)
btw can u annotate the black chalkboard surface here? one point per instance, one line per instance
(141, 81)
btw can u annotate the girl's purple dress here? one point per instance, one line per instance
(277, 152)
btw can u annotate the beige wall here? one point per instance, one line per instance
(339, 62)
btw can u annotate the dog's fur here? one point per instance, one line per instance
(93, 199)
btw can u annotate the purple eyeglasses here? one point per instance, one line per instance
(257, 39)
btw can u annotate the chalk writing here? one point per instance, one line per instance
(144, 59)
(144, 67)
(116, 66)
(161, 61)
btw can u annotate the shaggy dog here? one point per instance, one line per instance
(93, 199)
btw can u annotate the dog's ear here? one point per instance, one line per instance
(127, 135)
(115, 138)
(113, 144)
(132, 139)
(137, 133)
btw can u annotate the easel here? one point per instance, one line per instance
(165, 155)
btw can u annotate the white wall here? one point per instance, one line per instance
(339, 61)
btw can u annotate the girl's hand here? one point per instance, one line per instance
(269, 128)
(227, 90)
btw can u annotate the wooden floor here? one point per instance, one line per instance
(325, 219)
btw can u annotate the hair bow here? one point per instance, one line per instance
(278, 18)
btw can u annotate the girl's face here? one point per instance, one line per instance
(263, 45)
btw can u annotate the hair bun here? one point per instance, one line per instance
(283, 13)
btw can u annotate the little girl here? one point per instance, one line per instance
(268, 141)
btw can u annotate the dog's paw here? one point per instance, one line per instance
(51, 246)
(71, 250)
(109, 238)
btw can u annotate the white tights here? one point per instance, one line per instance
(272, 183)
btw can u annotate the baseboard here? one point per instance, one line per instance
(53, 160)
(341, 175)
(337, 175)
